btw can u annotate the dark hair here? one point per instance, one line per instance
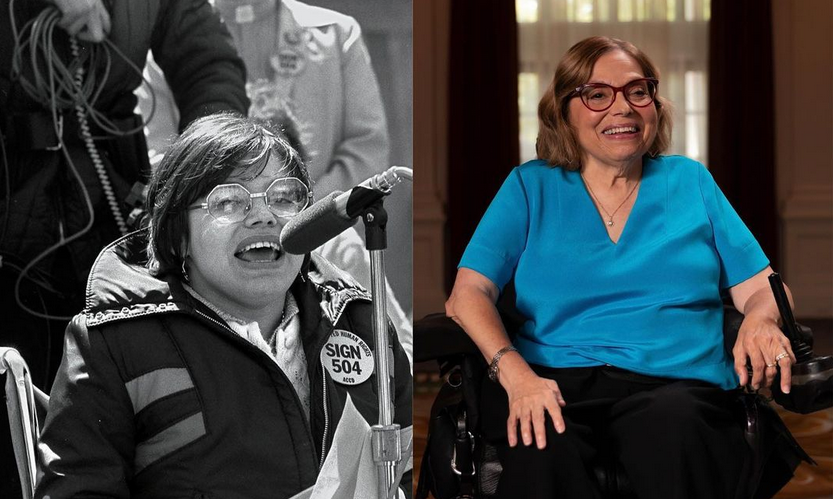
(557, 141)
(206, 154)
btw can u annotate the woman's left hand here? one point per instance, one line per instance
(761, 341)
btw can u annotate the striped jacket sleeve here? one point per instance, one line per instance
(87, 444)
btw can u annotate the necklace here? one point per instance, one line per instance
(609, 215)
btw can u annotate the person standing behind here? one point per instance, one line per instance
(316, 59)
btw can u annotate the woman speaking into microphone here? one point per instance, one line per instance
(208, 362)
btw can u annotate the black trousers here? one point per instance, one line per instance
(675, 439)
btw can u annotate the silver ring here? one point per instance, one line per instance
(781, 356)
(772, 365)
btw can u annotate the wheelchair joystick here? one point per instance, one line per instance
(812, 377)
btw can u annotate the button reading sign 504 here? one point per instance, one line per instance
(347, 358)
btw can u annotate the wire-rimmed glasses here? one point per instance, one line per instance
(600, 96)
(230, 203)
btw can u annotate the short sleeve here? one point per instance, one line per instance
(501, 235)
(741, 257)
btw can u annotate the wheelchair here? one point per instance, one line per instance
(26, 405)
(459, 463)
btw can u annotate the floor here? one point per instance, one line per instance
(814, 431)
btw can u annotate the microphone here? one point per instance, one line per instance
(337, 212)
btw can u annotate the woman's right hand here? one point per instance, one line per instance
(472, 306)
(529, 397)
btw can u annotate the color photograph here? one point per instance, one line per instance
(623, 249)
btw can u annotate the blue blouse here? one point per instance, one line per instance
(650, 303)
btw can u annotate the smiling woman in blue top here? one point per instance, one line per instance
(619, 257)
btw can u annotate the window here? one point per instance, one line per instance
(674, 34)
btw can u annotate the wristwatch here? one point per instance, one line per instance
(493, 369)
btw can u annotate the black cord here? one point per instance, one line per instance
(46, 370)
(35, 38)
(8, 189)
(41, 282)
(61, 242)
(63, 87)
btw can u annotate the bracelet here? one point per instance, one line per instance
(493, 369)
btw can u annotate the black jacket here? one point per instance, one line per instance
(46, 200)
(157, 397)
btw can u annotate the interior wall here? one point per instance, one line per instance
(431, 31)
(803, 63)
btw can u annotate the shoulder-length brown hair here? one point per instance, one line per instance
(557, 141)
(210, 150)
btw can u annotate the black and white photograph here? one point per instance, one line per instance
(205, 248)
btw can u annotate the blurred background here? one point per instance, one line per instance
(386, 27)
(751, 84)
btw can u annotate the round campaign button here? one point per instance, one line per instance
(347, 358)
(288, 62)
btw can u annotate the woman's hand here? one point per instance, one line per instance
(86, 19)
(761, 341)
(529, 397)
(472, 306)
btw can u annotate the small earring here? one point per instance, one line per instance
(185, 272)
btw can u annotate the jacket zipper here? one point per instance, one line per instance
(297, 399)
(326, 416)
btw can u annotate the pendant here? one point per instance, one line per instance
(610, 223)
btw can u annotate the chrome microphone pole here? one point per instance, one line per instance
(385, 436)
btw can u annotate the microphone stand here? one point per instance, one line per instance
(385, 436)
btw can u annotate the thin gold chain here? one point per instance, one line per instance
(609, 215)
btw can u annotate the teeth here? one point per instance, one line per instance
(260, 244)
(624, 129)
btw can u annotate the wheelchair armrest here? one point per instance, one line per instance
(439, 336)
(41, 404)
(812, 379)
(24, 424)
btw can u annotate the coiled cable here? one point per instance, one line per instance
(92, 151)
(34, 50)
(64, 87)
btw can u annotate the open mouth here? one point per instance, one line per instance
(621, 130)
(260, 252)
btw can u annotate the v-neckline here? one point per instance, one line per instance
(603, 225)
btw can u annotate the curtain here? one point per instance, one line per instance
(483, 114)
(742, 121)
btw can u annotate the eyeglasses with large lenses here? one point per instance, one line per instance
(287, 197)
(600, 96)
(229, 203)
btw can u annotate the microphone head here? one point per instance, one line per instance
(314, 226)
